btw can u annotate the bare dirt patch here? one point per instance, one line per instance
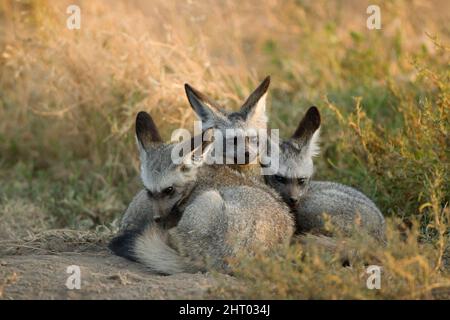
(35, 268)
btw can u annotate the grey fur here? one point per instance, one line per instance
(250, 117)
(347, 207)
(139, 212)
(224, 214)
(221, 209)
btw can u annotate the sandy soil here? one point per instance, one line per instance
(36, 268)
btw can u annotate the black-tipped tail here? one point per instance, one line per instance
(123, 244)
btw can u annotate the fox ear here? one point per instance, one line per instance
(206, 109)
(199, 146)
(307, 132)
(146, 132)
(254, 108)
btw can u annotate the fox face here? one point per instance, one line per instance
(166, 181)
(296, 159)
(239, 130)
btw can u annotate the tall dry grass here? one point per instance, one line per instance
(68, 101)
(77, 91)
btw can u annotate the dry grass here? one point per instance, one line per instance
(410, 268)
(20, 218)
(68, 101)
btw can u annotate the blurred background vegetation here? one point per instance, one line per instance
(68, 98)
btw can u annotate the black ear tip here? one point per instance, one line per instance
(142, 116)
(144, 121)
(141, 120)
(266, 82)
(146, 130)
(191, 92)
(309, 123)
(314, 114)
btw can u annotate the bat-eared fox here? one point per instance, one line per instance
(194, 216)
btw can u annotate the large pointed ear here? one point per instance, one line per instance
(147, 134)
(254, 108)
(307, 133)
(206, 109)
(199, 148)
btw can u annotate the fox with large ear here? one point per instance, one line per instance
(240, 129)
(310, 200)
(220, 212)
(296, 159)
(166, 183)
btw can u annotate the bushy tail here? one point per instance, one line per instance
(150, 247)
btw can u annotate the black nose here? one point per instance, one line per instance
(157, 219)
(292, 201)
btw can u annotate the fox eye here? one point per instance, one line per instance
(301, 181)
(149, 194)
(168, 191)
(280, 179)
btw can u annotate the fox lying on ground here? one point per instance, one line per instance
(309, 199)
(223, 215)
(252, 114)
